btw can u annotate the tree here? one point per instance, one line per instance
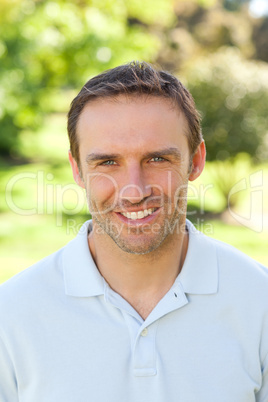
(51, 46)
(234, 5)
(232, 96)
(47, 45)
(260, 38)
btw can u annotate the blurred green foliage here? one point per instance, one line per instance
(47, 46)
(236, 119)
(233, 5)
(48, 49)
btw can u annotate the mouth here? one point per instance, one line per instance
(138, 217)
(139, 214)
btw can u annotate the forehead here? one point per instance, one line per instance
(132, 121)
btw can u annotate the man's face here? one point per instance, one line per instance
(135, 167)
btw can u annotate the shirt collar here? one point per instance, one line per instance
(199, 274)
(81, 276)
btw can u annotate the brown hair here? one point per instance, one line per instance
(132, 79)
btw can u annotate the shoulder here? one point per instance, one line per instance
(43, 281)
(48, 272)
(229, 256)
(36, 275)
(238, 271)
(234, 267)
(30, 295)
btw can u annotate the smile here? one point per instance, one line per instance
(138, 214)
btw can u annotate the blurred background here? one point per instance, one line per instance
(49, 49)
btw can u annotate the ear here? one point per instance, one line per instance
(76, 173)
(198, 162)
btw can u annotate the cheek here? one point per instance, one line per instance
(171, 183)
(101, 188)
(180, 197)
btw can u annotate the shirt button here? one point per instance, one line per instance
(144, 332)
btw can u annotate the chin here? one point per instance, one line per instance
(138, 247)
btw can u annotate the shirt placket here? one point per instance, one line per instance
(143, 332)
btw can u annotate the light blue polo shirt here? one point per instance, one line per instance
(65, 336)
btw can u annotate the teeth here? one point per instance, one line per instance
(133, 215)
(139, 214)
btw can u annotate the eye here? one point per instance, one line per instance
(157, 159)
(108, 163)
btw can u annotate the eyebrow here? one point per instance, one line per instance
(165, 152)
(95, 157)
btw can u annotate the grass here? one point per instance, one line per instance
(42, 209)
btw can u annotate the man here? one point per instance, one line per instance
(140, 306)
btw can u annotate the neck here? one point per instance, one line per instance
(140, 279)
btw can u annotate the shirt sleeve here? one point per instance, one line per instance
(8, 384)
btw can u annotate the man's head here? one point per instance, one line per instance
(135, 142)
(135, 79)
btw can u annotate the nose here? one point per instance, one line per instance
(135, 187)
